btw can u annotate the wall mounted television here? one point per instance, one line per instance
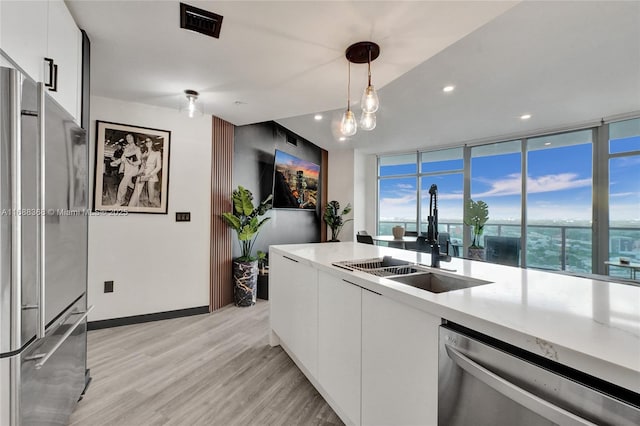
(295, 182)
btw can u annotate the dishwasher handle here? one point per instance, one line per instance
(534, 403)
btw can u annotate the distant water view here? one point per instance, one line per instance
(549, 242)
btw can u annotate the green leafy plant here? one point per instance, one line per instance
(333, 217)
(262, 260)
(476, 214)
(245, 220)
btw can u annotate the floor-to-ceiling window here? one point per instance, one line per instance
(559, 201)
(624, 193)
(444, 169)
(496, 179)
(397, 193)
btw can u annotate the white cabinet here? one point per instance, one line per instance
(23, 34)
(31, 31)
(293, 288)
(374, 359)
(399, 363)
(64, 46)
(339, 351)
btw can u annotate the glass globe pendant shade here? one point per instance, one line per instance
(370, 102)
(368, 121)
(190, 107)
(349, 125)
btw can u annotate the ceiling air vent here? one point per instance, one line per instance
(200, 20)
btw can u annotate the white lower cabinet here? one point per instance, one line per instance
(399, 363)
(339, 351)
(375, 360)
(293, 288)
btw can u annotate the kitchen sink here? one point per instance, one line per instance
(381, 267)
(437, 282)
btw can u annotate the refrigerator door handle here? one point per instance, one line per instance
(16, 241)
(534, 403)
(16, 209)
(40, 229)
(43, 358)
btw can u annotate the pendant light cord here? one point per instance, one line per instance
(369, 65)
(349, 88)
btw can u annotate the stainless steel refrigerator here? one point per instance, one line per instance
(43, 264)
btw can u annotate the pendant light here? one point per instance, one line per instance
(362, 52)
(368, 120)
(349, 125)
(369, 102)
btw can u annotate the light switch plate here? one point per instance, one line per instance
(183, 216)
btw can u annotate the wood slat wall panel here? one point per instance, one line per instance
(221, 284)
(324, 190)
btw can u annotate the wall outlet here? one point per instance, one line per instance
(108, 286)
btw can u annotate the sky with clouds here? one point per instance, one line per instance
(559, 187)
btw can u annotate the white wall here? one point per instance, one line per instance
(366, 188)
(353, 179)
(156, 263)
(340, 188)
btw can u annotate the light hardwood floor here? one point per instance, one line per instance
(215, 369)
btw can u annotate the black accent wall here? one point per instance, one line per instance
(253, 155)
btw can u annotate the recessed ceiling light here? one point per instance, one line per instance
(547, 143)
(448, 88)
(342, 139)
(318, 117)
(525, 117)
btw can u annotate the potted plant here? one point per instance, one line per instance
(333, 218)
(476, 214)
(263, 261)
(245, 220)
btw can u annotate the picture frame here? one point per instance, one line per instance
(131, 168)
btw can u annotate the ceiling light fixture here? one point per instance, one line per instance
(447, 89)
(525, 117)
(362, 52)
(342, 139)
(191, 108)
(317, 117)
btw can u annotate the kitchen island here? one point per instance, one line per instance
(363, 340)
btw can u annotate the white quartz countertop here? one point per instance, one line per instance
(591, 325)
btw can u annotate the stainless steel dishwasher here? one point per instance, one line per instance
(486, 382)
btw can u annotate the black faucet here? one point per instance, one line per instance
(432, 230)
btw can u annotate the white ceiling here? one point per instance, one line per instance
(279, 58)
(563, 62)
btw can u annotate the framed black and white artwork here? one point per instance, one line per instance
(132, 168)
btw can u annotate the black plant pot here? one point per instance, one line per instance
(245, 281)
